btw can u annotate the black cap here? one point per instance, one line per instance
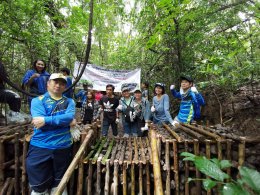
(187, 78)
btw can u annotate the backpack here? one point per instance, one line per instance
(201, 102)
(129, 112)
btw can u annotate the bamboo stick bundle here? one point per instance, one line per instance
(173, 133)
(109, 150)
(90, 154)
(168, 169)
(98, 186)
(208, 157)
(140, 178)
(156, 164)
(132, 179)
(135, 151)
(11, 187)
(176, 166)
(5, 186)
(122, 155)
(198, 174)
(142, 151)
(115, 179)
(73, 164)
(17, 164)
(124, 178)
(113, 154)
(94, 160)
(202, 131)
(107, 178)
(241, 153)
(229, 142)
(89, 179)
(187, 187)
(192, 133)
(148, 183)
(2, 159)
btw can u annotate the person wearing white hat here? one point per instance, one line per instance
(49, 153)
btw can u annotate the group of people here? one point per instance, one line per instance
(53, 117)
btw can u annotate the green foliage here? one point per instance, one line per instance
(250, 179)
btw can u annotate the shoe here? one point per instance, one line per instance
(126, 135)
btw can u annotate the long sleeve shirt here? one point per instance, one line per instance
(57, 114)
(162, 113)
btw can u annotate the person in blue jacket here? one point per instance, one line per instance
(49, 153)
(189, 102)
(36, 79)
(66, 73)
(160, 106)
(81, 96)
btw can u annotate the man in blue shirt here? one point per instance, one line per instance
(49, 153)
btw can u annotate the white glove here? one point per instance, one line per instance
(152, 109)
(132, 116)
(172, 87)
(75, 133)
(194, 90)
(117, 120)
(120, 107)
(89, 105)
(145, 128)
(174, 123)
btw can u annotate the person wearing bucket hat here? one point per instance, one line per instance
(160, 107)
(143, 112)
(191, 100)
(126, 106)
(49, 153)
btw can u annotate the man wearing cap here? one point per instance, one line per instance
(188, 100)
(49, 153)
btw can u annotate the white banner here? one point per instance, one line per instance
(99, 77)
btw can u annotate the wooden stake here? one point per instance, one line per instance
(17, 166)
(24, 176)
(168, 169)
(187, 187)
(156, 164)
(98, 186)
(241, 153)
(136, 151)
(115, 179)
(132, 179)
(148, 183)
(140, 178)
(2, 160)
(11, 187)
(208, 157)
(176, 166)
(107, 178)
(124, 179)
(198, 174)
(229, 142)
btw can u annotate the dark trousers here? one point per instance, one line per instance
(106, 124)
(11, 98)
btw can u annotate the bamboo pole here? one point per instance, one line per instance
(90, 154)
(109, 150)
(140, 178)
(124, 179)
(198, 174)
(122, 154)
(132, 179)
(187, 187)
(2, 159)
(94, 160)
(130, 157)
(24, 176)
(90, 173)
(81, 170)
(241, 153)
(98, 186)
(148, 183)
(220, 156)
(142, 151)
(107, 178)
(159, 145)
(115, 179)
(191, 133)
(202, 131)
(176, 167)
(229, 142)
(73, 164)
(72, 177)
(113, 154)
(173, 133)
(208, 157)
(168, 169)
(156, 164)
(149, 150)
(135, 151)
(17, 165)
